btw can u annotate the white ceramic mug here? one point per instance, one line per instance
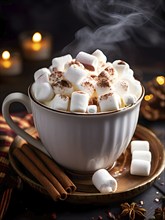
(77, 141)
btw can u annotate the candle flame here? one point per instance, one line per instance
(6, 59)
(148, 97)
(6, 55)
(37, 37)
(160, 80)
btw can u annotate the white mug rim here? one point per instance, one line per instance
(86, 114)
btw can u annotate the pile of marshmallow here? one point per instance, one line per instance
(86, 84)
(141, 158)
(140, 166)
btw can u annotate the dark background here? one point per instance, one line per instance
(130, 26)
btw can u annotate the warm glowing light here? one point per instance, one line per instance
(5, 55)
(148, 97)
(6, 59)
(160, 80)
(37, 37)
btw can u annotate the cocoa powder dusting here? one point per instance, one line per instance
(110, 70)
(105, 97)
(75, 62)
(121, 62)
(62, 83)
(103, 83)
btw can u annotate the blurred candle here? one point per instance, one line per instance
(160, 80)
(10, 63)
(36, 46)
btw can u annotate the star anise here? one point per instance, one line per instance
(159, 213)
(133, 211)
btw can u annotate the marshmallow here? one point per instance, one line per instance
(63, 87)
(140, 167)
(89, 61)
(92, 109)
(100, 56)
(134, 85)
(59, 63)
(42, 91)
(103, 86)
(129, 99)
(42, 75)
(104, 75)
(139, 145)
(122, 87)
(109, 102)
(135, 88)
(121, 66)
(92, 74)
(55, 76)
(141, 155)
(79, 101)
(87, 85)
(129, 73)
(59, 102)
(75, 74)
(74, 61)
(104, 182)
(111, 71)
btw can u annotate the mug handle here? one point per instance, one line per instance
(23, 99)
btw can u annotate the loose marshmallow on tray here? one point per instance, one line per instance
(141, 155)
(59, 63)
(42, 75)
(89, 61)
(42, 91)
(141, 158)
(79, 101)
(140, 167)
(59, 102)
(104, 182)
(139, 145)
(110, 101)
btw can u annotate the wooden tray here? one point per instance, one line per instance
(128, 185)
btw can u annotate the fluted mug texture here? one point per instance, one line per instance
(77, 141)
(82, 142)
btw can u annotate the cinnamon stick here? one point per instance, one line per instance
(65, 181)
(41, 166)
(26, 162)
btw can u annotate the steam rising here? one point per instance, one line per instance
(111, 22)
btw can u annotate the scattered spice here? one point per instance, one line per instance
(159, 213)
(53, 215)
(133, 211)
(111, 216)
